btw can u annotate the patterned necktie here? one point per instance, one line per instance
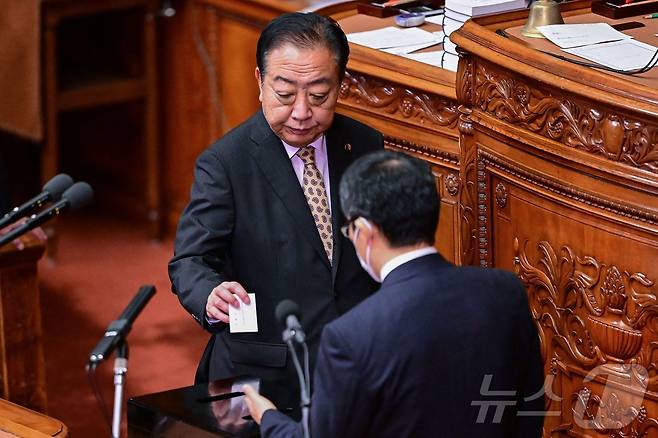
(316, 196)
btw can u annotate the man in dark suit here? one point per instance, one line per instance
(264, 215)
(425, 355)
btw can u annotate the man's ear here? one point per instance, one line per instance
(259, 79)
(366, 228)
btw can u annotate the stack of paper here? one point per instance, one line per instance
(457, 12)
(600, 43)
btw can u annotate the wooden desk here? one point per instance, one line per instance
(559, 173)
(548, 169)
(16, 420)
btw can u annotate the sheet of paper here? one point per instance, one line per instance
(431, 58)
(567, 36)
(622, 55)
(388, 37)
(243, 319)
(435, 19)
(408, 49)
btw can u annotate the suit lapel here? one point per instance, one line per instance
(339, 156)
(269, 153)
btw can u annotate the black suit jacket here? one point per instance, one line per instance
(248, 221)
(410, 360)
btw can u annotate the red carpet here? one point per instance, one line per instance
(100, 264)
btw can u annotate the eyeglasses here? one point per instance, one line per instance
(345, 229)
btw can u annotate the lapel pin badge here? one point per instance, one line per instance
(348, 147)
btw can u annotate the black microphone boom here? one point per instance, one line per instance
(51, 191)
(119, 329)
(76, 196)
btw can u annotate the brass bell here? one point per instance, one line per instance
(542, 13)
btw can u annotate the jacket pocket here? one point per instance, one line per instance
(258, 353)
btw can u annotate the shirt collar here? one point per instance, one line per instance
(404, 258)
(319, 145)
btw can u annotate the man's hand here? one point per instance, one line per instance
(256, 403)
(221, 297)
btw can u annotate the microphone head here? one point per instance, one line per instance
(78, 195)
(286, 308)
(57, 185)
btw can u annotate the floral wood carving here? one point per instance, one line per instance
(594, 313)
(464, 82)
(574, 124)
(452, 184)
(392, 99)
(501, 195)
(468, 198)
(612, 417)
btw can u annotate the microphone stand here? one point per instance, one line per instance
(303, 376)
(120, 370)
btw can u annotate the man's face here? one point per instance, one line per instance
(298, 92)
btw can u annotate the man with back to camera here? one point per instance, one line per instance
(264, 215)
(410, 360)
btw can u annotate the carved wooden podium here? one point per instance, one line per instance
(559, 173)
(550, 170)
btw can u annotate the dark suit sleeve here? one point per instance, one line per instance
(340, 405)
(203, 237)
(531, 403)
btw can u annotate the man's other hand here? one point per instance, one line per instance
(223, 296)
(256, 403)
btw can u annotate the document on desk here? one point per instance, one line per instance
(389, 37)
(409, 49)
(567, 36)
(621, 55)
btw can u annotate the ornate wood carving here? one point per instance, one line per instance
(611, 416)
(596, 314)
(483, 215)
(468, 194)
(452, 184)
(416, 106)
(501, 195)
(464, 83)
(632, 212)
(575, 124)
(427, 152)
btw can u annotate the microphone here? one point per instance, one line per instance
(76, 196)
(287, 313)
(119, 329)
(51, 191)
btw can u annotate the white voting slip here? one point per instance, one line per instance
(243, 319)
(391, 37)
(622, 55)
(567, 36)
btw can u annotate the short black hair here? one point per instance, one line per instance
(303, 30)
(394, 191)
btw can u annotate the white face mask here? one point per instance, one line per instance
(365, 264)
